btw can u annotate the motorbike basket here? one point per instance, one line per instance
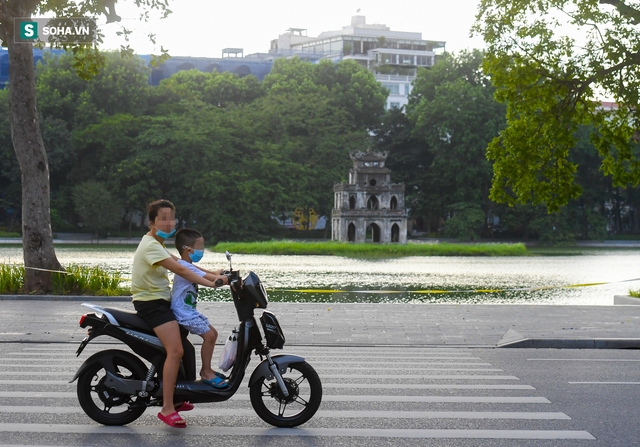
(272, 330)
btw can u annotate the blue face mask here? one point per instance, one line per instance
(196, 255)
(164, 234)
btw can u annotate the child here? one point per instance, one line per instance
(184, 297)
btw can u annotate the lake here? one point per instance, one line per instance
(410, 279)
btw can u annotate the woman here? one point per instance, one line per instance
(151, 293)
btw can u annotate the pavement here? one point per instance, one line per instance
(54, 319)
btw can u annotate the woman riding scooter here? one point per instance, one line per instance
(151, 293)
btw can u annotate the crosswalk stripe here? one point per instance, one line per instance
(337, 414)
(326, 364)
(423, 376)
(329, 359)
(314, 432)
(605, 383)
(317, 368)
(330, 385)
(329, 398)
(323, 376)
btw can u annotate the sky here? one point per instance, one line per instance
(202, 28)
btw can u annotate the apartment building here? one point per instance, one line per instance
(393, 56)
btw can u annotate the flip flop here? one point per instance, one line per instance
(185, 406)
(173, 420)
(216, 382)
(219, 374)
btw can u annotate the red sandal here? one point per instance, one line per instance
(173, 420)
(185, 406)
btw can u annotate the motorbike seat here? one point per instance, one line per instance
(130, 319)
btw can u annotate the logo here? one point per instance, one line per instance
(70, 30)
(28, 30)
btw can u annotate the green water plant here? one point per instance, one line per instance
(74, 280)
(11, 278)
(289, 247)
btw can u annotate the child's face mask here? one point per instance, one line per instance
(196, 255)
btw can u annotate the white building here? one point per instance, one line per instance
(393, 56)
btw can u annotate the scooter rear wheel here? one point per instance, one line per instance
(305, 395)
(101, 403)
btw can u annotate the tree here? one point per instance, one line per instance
(466, 223)
(451, 117)
(37, 237)
(551, 61)
(218, 89)
(121, 86)
(96, 206)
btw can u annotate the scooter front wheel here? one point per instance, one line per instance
(100, 402)
(305, 394)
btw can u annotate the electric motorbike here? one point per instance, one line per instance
(115, 387)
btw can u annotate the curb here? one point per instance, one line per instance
(626, 300)
(63, 298)
(572, 343)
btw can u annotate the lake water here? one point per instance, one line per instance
(410, 279)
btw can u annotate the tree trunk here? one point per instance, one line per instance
(37, 238)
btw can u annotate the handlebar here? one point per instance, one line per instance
(233, 277)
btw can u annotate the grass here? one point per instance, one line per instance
(634, 293)
(9, 234)
(288, 247)
(75, 280)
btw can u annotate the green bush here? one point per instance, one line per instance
(466, 223)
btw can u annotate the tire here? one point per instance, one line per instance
(98, 401)
(305, 395)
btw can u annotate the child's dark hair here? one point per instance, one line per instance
(186, 237)
(154, 207)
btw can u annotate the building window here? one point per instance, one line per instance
(407, 89)
(407, 59)
(394, 105)
(373, 203)
(352, 203)
(394, 89)
(394, 203)
(424, 61)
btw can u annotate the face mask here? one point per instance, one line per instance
(196, 255)
(164, 234)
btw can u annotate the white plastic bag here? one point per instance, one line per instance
(228, 356)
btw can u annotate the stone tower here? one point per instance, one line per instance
(369, 208)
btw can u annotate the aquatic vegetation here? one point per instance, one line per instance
(74, 280)
(289, 247)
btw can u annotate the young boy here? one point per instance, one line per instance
(184, 297)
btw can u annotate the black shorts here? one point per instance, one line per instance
(155, 313)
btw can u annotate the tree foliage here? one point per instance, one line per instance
(551, 62)
(230, 152)
(26, 135)
(438, 149)
(97, 208)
